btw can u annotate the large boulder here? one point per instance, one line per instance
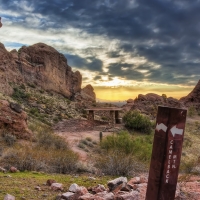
(44, 66)
(39, 65)
(14, 122)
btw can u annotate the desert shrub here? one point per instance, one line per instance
(94, 142)
(88, 139)
(47, 139)
(8, 138)
(122, 141)
(116, 163)
(140, 147)
(63, 161)
(34, 159)
(120, 153)
(84, 141)
(135, 120)
(81, 145)
(191, 111)
(34, 111)
(90, 144)
(37, 127)
(19, 94)
(31, 85)
(188, 165)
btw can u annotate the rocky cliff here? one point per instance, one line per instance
(193, 98)
(38, 65)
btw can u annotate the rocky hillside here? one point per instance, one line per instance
(39, 65)
(193, 98)
(148, 103)
(39, 80)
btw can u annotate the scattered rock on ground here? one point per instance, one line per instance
(57, 186)
(50, 181)
(9, 197)
(13, 169)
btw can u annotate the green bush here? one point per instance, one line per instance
(20, 94)
(140, 147)
(120, 153)
(34, 111)
(135, 120)
(122, 141)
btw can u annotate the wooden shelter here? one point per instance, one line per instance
(114, 114)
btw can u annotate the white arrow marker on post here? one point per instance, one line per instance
(175, 130)
(161, 127)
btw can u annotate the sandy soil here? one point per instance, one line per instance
(76, 129)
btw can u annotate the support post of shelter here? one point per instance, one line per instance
(91, 115)
(112, 118)
(116, 116)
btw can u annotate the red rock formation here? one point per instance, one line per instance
(39, 65)
(129, 104)
(88, 93)
(8, 71)
(193, 98)
(148, 103)
(44, 66)
(14, 120)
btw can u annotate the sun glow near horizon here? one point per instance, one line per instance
(124, 92)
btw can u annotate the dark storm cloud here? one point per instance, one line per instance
(164, 32)
(125, 70)
(89, 63)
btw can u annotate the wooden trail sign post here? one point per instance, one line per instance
(166, 153)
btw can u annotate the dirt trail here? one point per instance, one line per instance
(75, 130)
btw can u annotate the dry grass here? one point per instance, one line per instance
(191, 152)
(23, 184)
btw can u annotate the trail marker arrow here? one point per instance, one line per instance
(175, 130)
(161, 127)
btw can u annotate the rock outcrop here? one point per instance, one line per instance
(129, 104)
(87, 93)
(148, 103)
(193, 98)
(85, 98)
(38, 65)
(14, 120)
(8, 71)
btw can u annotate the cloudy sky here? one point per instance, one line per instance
(121, 47)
